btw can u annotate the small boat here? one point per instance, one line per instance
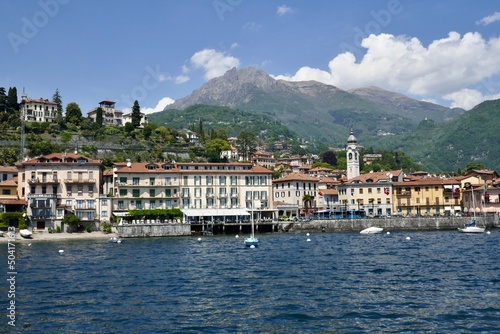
(25, 233)
(372, 230)
(472, 227)
(115, 240)
(252, 241)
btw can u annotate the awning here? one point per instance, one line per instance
(448, 187)
(447, 208)
(458, 208)
(120, 214)
(215, 212)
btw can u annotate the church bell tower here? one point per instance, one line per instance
(352, 156)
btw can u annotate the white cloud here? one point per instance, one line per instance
(159, 107)
(403, 64)
(252, 26)
(489, 19)
(181, 79)
(468, 98)
(214, 63)
(283, 9)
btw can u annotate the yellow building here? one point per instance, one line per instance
(426, 196)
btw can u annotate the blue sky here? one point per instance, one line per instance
(444, 51)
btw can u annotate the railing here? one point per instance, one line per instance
(79, 180)
(403, 193)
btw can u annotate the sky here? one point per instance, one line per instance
(157, 51)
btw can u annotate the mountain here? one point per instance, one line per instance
(473, 137)
(414, 109)
(315, 110)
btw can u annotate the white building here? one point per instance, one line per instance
(197, 189)
(110, 116)
(58, 184)
(40, 110)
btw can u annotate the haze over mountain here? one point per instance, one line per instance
(316, 110)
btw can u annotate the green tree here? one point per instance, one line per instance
(307, 200)
(136, 114)
(72, 221)
(247, 144)
(12, 104)
(473, 166)
(8, 156)
(3, 100)
(56, 98)
(73, 114)
(98, 116)
(214, 148)
(329, 157)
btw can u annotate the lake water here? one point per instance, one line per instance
(436, 282)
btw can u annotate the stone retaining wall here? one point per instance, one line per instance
(392, 224)
(153, 230)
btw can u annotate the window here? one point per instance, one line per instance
(222, 180)
(197, 192)
(168, 192)
(104, 202)
(79, 188)
(234, 180)
(152, 181)
(210, 203)
(361, 190)
(44, 189)
(136, 193)
(79, 214)
(197, 180)
(121, 206)
(185, 180)
(378, 191)
(91, 215)
(79, 204)
(135, 181)
(151, 193)
(90, 203)
(152, 204)
(210, 180)
(5, 191)
(91, 188)
(138, 205)
(168, 181)
(104, 213)
(123, 192)
(168, 203)
(69, 202)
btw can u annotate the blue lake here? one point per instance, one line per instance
(436, 282)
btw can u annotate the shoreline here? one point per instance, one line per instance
(95, 235)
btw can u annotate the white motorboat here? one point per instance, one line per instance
(25, 233)
(372, 230)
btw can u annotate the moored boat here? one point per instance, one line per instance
(372, 230)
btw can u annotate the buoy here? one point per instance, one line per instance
(308, 240)
(252, 246)
(486, 233)
(407, 238)
(388, 232)
(237, 236)
(199, 239)
(61, 251)
(119, 241)
(307, 234)
(29, 244)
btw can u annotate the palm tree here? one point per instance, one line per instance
(307, 199)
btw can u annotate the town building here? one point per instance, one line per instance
(199, 190)
(58, 184)
(127, 118)
(297, 190)
(9, 200)
(110, 116)
(426, 196)
(370, 192)
(264, 159)
(37, 110)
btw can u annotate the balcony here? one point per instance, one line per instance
(185, 195)
(210, 195)
(30, 195)
(234, 195)
(403, 193)
(43, 181)
(222, 195)
(79, 180)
